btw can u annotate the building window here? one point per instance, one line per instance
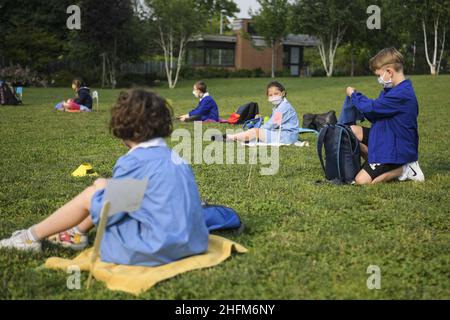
(210, 57)
(293, 59)
(195, 56)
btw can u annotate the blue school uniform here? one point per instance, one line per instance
(289, 125)
(169, 224)
(207, 109)
(394, 137)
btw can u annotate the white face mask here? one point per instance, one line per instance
(276, 100)
(386, 84)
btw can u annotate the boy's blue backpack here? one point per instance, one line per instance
(220, 218)
(342, 153)
(253, 123)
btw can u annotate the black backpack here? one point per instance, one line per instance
(244, 113)
(342, 153)
(7, 96)
(318, 121)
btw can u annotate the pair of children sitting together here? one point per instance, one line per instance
(269, 133)
(170, 224)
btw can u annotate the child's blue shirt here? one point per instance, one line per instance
(289, 124)
(169, 225)
(394, 137)
(207, 109)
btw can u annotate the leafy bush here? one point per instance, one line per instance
(130, 80)
(18, 74)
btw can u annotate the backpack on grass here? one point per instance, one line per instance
(219, 218)
(244, 113)
(253, 124)
(318, 121)
(342, 153)
(7, 95)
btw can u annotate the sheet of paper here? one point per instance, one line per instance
(125, 195)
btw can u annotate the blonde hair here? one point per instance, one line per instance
(389, 57)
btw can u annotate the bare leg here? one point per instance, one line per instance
(249, 135)
(389, 176)
(363, 178)
(364, 151)
(86, 225)
(73, 213)
(359, 133)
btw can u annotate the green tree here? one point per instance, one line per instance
(271, 22)
(328, 21)
(435, 23)
(32, 33)
(174, 23)
(109, 31)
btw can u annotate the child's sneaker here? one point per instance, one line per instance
(221, 138)
(20, 241)
(412, 171)
(70, 239)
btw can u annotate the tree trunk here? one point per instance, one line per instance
(328, 59)
(273, 59)
(165, 48)
(433, 64)
(104, 70)
(442, 50)
(179, 60)
(352, 66)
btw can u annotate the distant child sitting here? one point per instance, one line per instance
(169, 224)
(82, 101)
(282, 127)
(391, 145)
(207, 109)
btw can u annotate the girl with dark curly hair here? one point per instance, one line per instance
(169, 224)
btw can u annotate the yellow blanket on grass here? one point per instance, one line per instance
(136, 279)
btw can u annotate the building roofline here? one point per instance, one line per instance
(215, 38)
(292, 40)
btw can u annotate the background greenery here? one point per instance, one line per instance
(37, 48)
(307, 240)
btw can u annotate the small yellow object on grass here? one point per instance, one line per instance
(137, 279)
(84, 170)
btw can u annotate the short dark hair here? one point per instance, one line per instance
(276, 84)
(140, 115)
(201, 86)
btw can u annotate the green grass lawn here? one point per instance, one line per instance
(306, 240)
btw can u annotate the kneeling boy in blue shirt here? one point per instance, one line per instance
(391, 145)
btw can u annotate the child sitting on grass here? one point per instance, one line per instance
(391, 145)
(207, 109)
(169, 224)
(82, 101)
(270, 132)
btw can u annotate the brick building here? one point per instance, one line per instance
(247, 50)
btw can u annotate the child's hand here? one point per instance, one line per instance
(184, 117)
(350, 91)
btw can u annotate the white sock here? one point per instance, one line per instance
(77, 231)
(31, 235)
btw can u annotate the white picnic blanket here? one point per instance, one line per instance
(299, 144)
